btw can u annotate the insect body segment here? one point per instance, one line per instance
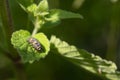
(35, 43)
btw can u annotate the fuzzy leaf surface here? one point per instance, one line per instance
(83, 59)
(26, 50)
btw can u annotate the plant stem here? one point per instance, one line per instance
(7, 25)
(20, 70)
(35, 31)
(37, 26)
(9, 51)
(113, 33)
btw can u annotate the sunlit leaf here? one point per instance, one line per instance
(85, 60)
(62, 14)
(55, 15)
(32, 8)
(42, 8)
(26, 50)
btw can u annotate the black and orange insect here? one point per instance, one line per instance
(35, 43)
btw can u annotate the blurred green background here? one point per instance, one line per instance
(98, 32)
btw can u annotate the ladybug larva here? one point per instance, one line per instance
(35, 43)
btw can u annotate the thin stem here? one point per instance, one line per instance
(35, 31)
(37, 26)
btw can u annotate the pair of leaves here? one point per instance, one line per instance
(45, 16)
(27, 52)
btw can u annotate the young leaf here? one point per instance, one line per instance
(43, 16)
(87, 61)
(32, 8)
(62, 14)
(52, 20)
(25, 3)
(55, 15)
(26, 49)
(42, 8)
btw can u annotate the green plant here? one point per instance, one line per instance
(42, 17)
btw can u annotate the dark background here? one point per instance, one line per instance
(98, 32)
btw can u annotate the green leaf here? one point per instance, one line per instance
(41, 14)
(26, 50)
(55, 16)
(83, 59)
(25, 3)
(52, 20)
(51, 23)
(42, 8)
(32, 8)
(19, 38)
(62, 14)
